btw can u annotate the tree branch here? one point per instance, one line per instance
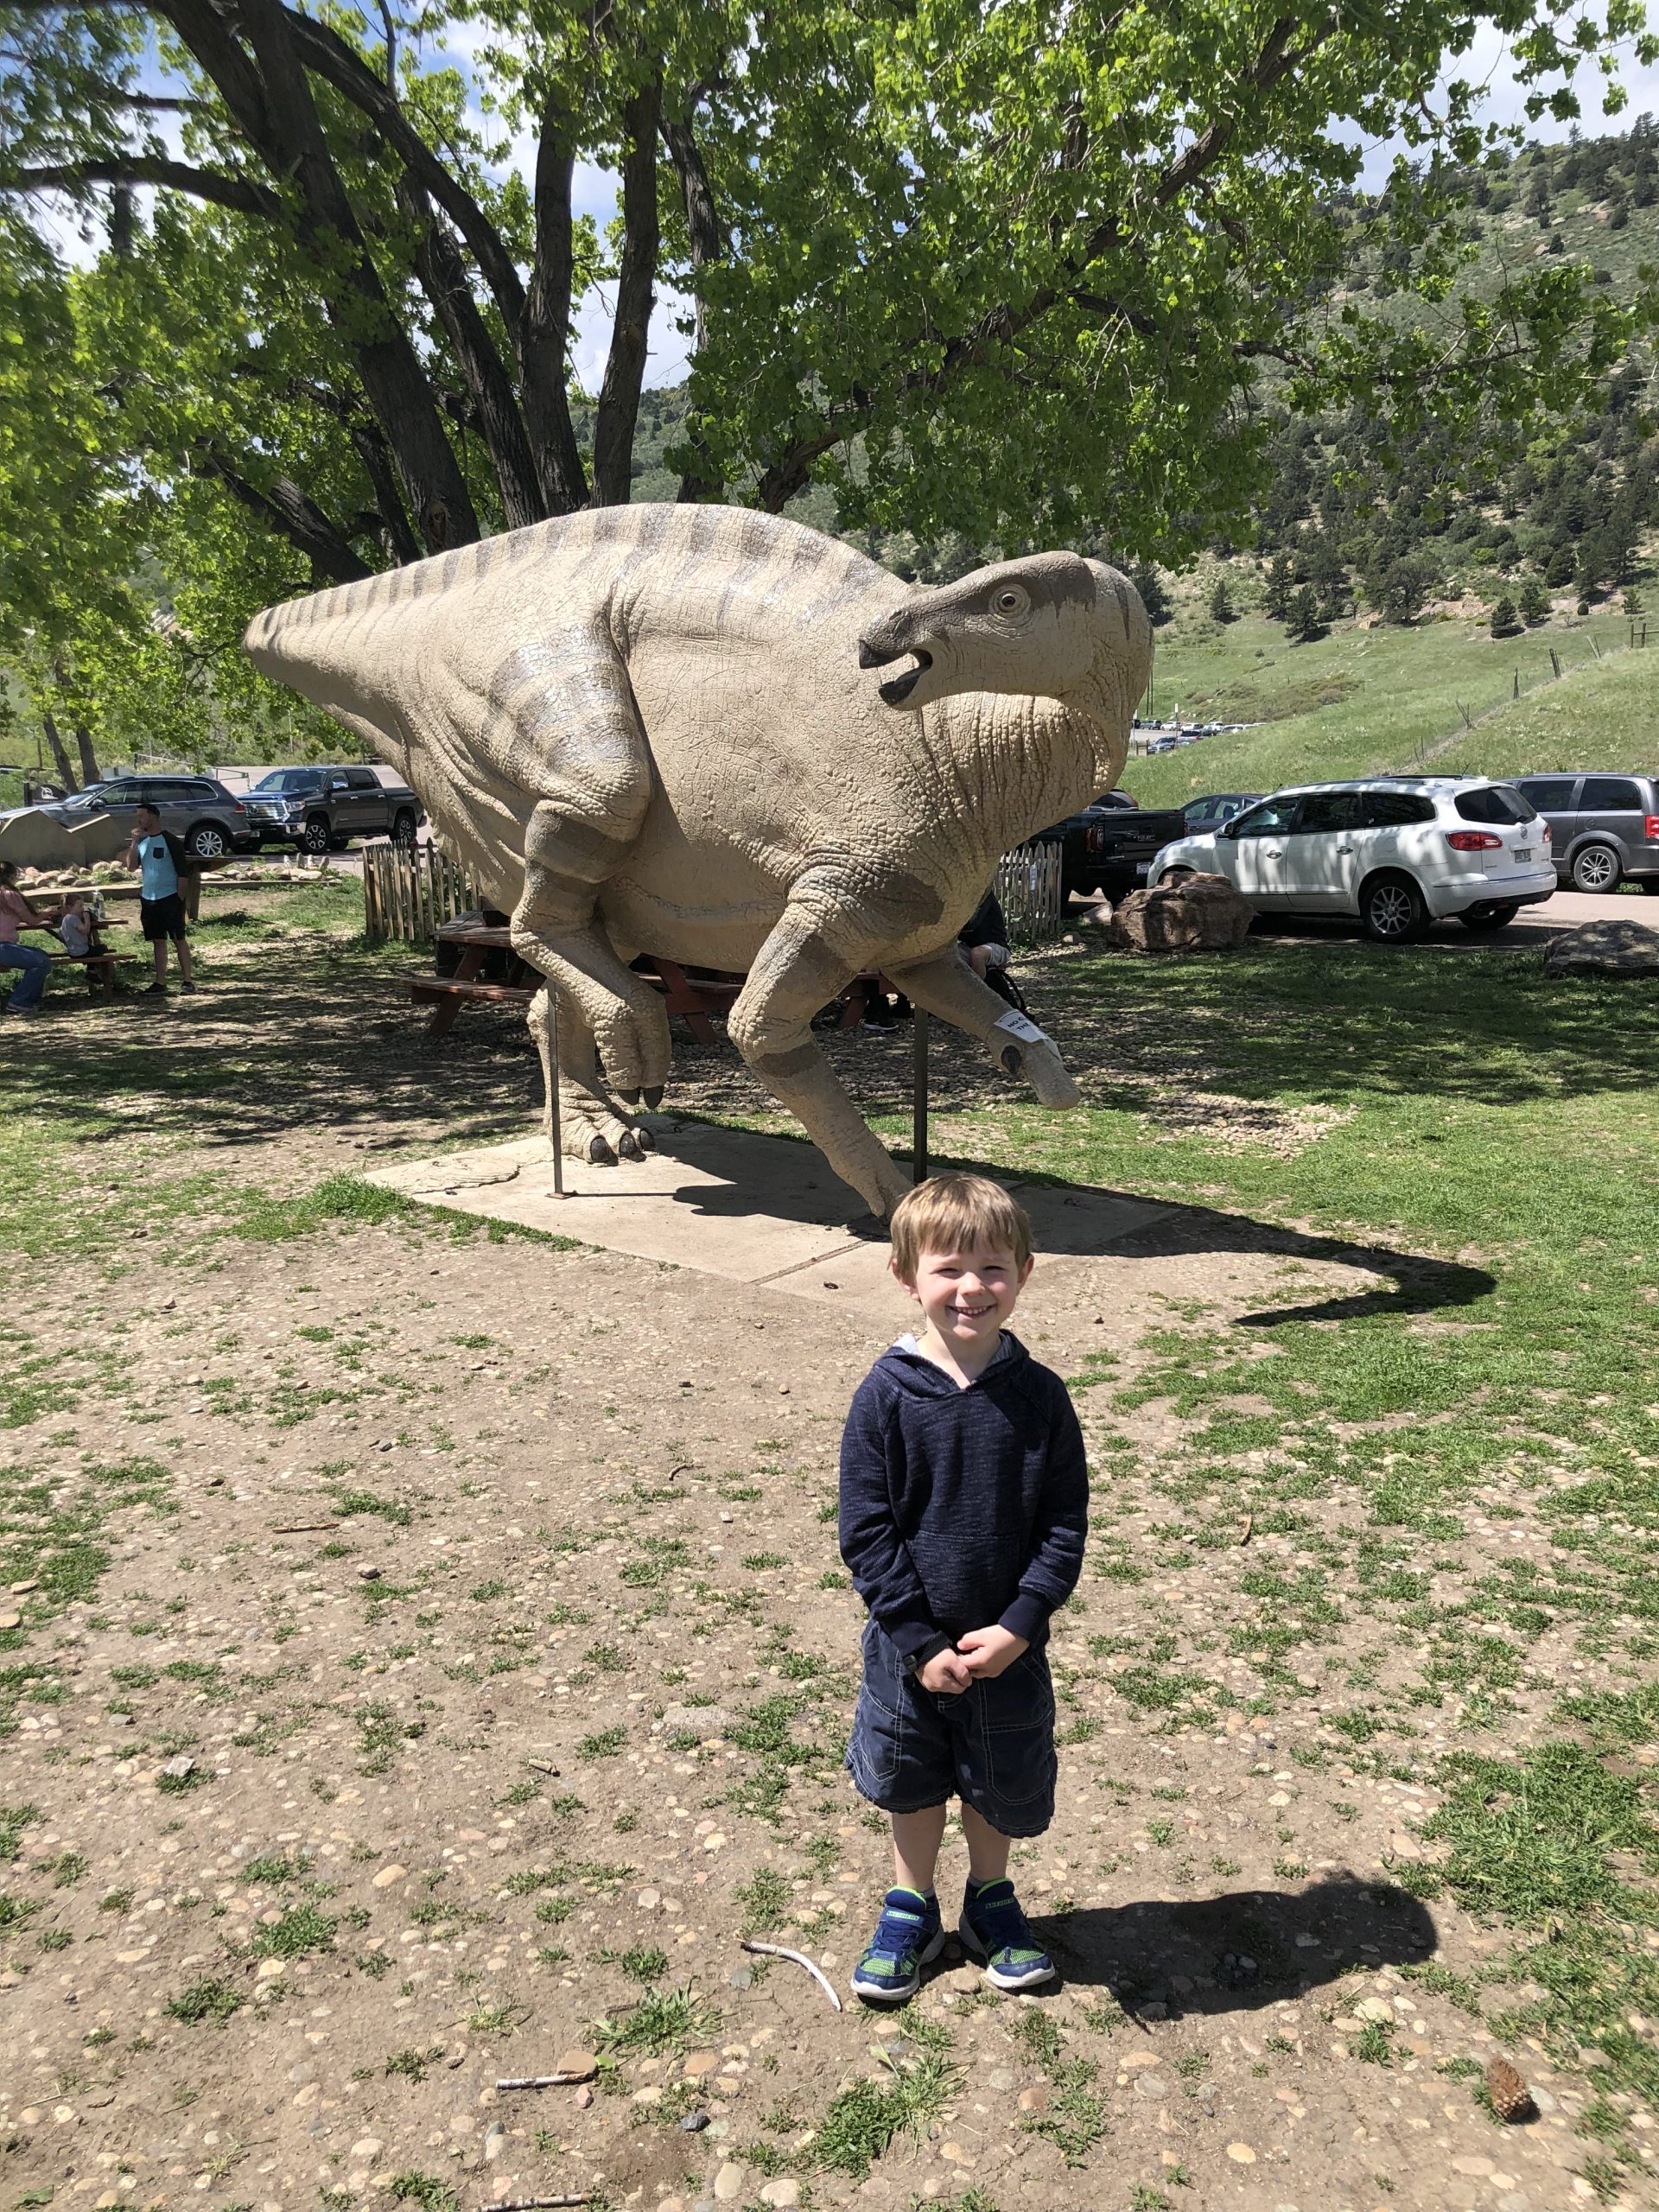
(236, 192)
(709, 244)
(291, 512)
(544, 332)
(322, 48)
(624, 365)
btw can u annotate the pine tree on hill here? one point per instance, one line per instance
(1504, 621)
(1534, 602)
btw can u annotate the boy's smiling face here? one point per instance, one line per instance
(966, 1297)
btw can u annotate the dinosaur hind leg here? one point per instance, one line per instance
(591, 1126)
(573, 841)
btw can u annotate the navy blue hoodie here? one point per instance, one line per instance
(962, 1508)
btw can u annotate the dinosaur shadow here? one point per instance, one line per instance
(1240, 1951)
(1077, 1221)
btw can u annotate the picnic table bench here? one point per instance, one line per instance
(100, 965)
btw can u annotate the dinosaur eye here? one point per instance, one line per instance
(1011, 599)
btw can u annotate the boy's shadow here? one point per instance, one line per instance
(1233, 1953)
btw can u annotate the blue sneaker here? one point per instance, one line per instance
(908, 1934)
(995, 1929)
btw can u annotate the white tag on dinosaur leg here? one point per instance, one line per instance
(1017, 1025)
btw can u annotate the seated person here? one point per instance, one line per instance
(77, 926)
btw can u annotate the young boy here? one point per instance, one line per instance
(964, 1504)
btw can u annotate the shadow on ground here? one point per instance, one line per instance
(1234, 1952)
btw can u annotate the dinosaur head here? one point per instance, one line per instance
(1054, 625)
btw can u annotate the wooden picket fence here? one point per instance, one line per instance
(409, 891)
(1028, 888)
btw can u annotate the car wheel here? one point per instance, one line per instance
(1595, 867)
(1491, 914)
(207, 841)
(1392, 909)
(315, 835)
(403, 828)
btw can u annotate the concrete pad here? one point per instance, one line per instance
(753, 1208)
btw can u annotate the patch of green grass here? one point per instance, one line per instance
(300, 1930)
(859, 2123)
(209, 1999)
(764, 1898)
(665, 2021)
(1535, 1836)
(338, 1199)
(603, 1744)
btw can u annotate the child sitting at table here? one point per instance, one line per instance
(78, 929)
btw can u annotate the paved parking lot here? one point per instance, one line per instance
(1568, 910)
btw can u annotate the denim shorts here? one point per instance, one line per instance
(993, 1746)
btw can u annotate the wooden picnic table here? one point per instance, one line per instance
(693, 993)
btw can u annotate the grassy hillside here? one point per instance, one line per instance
(1603, 715)
(1361, 700)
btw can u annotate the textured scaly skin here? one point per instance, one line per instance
(646, 730)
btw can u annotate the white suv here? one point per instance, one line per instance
(1398, 851)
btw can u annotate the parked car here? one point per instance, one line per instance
(1399, 852)
(322, 809)
(1603, 828)
(1108, 846)
(1215, 808)
(199, 810)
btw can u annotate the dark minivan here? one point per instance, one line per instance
(1602, 828)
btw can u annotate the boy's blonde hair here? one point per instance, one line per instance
(956, 1213)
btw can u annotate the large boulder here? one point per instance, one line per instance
(1202, 914)
(1604, 949)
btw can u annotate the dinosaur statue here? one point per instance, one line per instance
(655, 729)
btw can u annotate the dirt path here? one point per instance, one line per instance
(471, 1662)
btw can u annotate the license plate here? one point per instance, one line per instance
(1523, 852)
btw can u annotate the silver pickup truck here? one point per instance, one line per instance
(322, 809)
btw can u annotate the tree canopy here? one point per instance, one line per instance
(1010, 269)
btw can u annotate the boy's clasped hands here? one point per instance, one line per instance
(981, 1654)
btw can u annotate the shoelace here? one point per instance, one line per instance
(897, 1932)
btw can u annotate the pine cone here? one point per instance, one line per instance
(1511, 2098)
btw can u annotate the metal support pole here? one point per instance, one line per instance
(919, 1103)
(553, 1130)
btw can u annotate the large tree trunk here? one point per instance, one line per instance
(703, 479)
(544, 329)
(89, 773)
(60, 757)
(625, 367)
(270, 95)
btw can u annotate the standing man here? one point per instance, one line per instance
(17, 913)
(161, 905)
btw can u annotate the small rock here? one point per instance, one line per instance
(1240, 2154)
(699, 2063)
(741, 1978)
(366, 1573)
(583, 2097)
(11, 1618)
(781, 2191)
(177, 1768)
(700, 1720)
(576, 2065)
(695, 2122)
(22, 1589)
(367, 2147)
(1034, 2100)
(1375, 2008)
(1150, 2085)
(388, 1875)
(728, 2183)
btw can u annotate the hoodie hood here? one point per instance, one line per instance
(912, 1371)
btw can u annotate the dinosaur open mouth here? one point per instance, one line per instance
(897, 688)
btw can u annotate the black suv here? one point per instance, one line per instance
(1602, 828)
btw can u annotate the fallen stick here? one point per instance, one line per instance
(542, 2081)
(797, 1958)
(300, 1527)
(537, 2203)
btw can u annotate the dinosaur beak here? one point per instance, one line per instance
(881, 647)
